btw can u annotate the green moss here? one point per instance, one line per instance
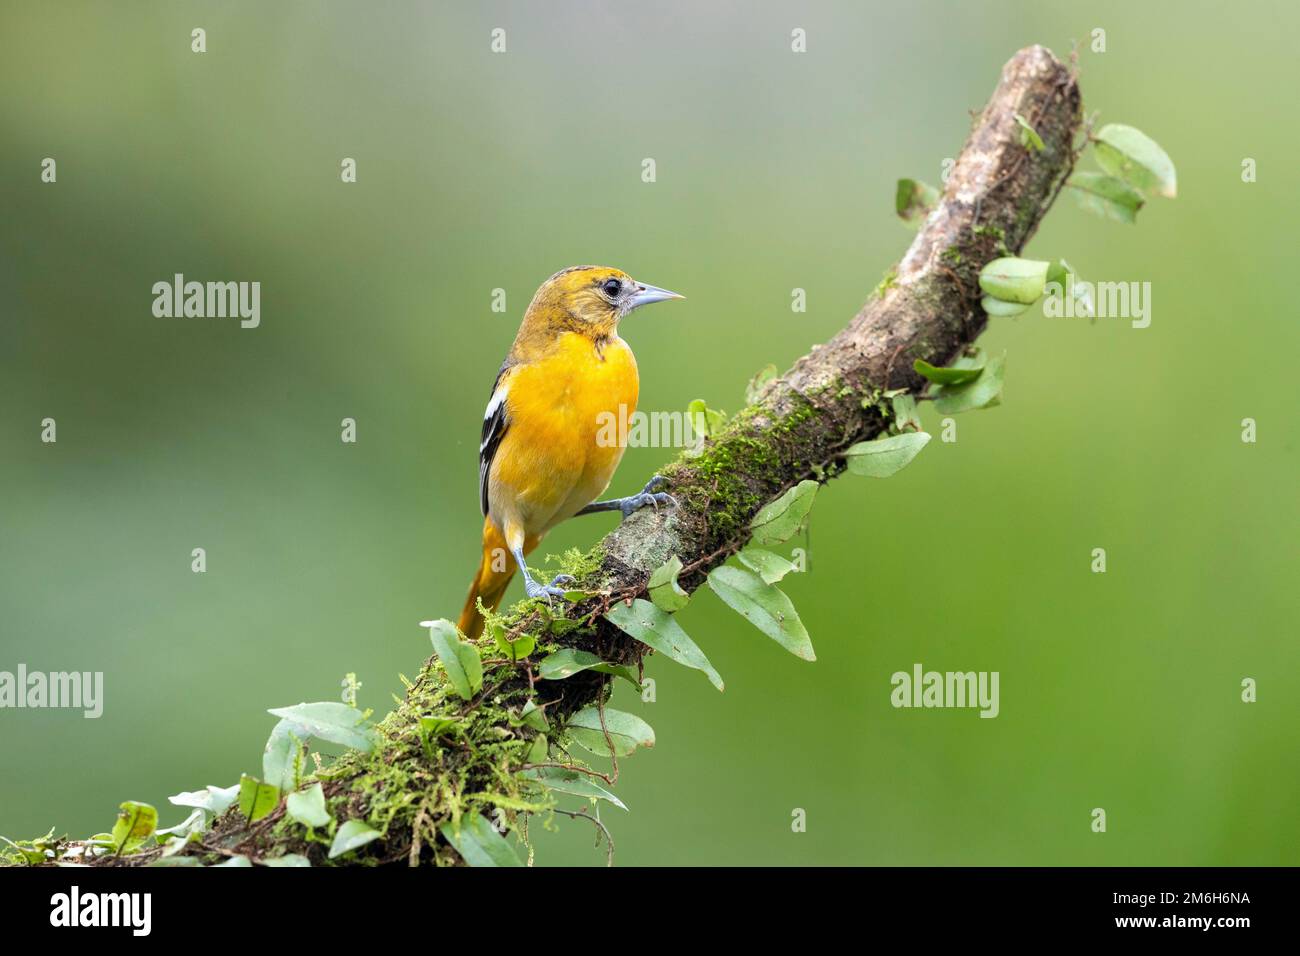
(581, 564)
(409, 781)
(996, 233)
(887, 283)
(561, 626)
(725, 481)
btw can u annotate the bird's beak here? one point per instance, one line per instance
(645, 294)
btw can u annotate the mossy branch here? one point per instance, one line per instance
(410, 785)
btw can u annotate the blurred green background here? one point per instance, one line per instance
(478, 170)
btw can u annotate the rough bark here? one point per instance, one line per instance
(799, 426)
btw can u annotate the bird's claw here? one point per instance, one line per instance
(548, 591)
(648, 496)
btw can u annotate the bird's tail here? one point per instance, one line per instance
(492, 579)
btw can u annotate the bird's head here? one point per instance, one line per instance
(590, 300)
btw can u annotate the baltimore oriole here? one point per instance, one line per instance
(544, 455)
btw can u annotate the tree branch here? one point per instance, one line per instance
(927, 308)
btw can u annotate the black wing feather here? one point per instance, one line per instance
(494, 429)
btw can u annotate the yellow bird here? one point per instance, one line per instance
(556, 425)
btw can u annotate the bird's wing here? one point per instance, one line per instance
(495, 425)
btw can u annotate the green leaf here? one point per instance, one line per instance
(764, 606)
(478, 843)
(756, 384)
(885, 456)
(308, 807)
(281, 756)
(771, 567)
(783, 518)
(1029, 137)
(235, 862)
(213, 800)
(566, 662)
(1135, 157)
(351, 835)
(626, 731)
(539, 750)
(572, 782)
(34, 850)
(1014, 280)
(288, 859)
(972, 359)
(437, 726)
(1059, 272)
(1107, 196)
(27, 850)
(914, 199)
(177, 838)
(135, 824)
(256, 799)
(461, 660)
(906, 417)
(330, 720)
(177, 861)
(984, 392)
(569, 661)
(1063, 274)
(49, 841)
(664, 590)
(530, 715)
(657, 628)
(619, 670)
(954, 375)
(705, 421)
(196, 822)
(175, 844)
(997, 309)
(516, 650)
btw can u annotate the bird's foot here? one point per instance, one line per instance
(535, 590)
(647, 496)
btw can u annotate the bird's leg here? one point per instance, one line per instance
(532, 588)
(647, 496)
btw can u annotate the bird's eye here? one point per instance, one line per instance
(612, 288)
